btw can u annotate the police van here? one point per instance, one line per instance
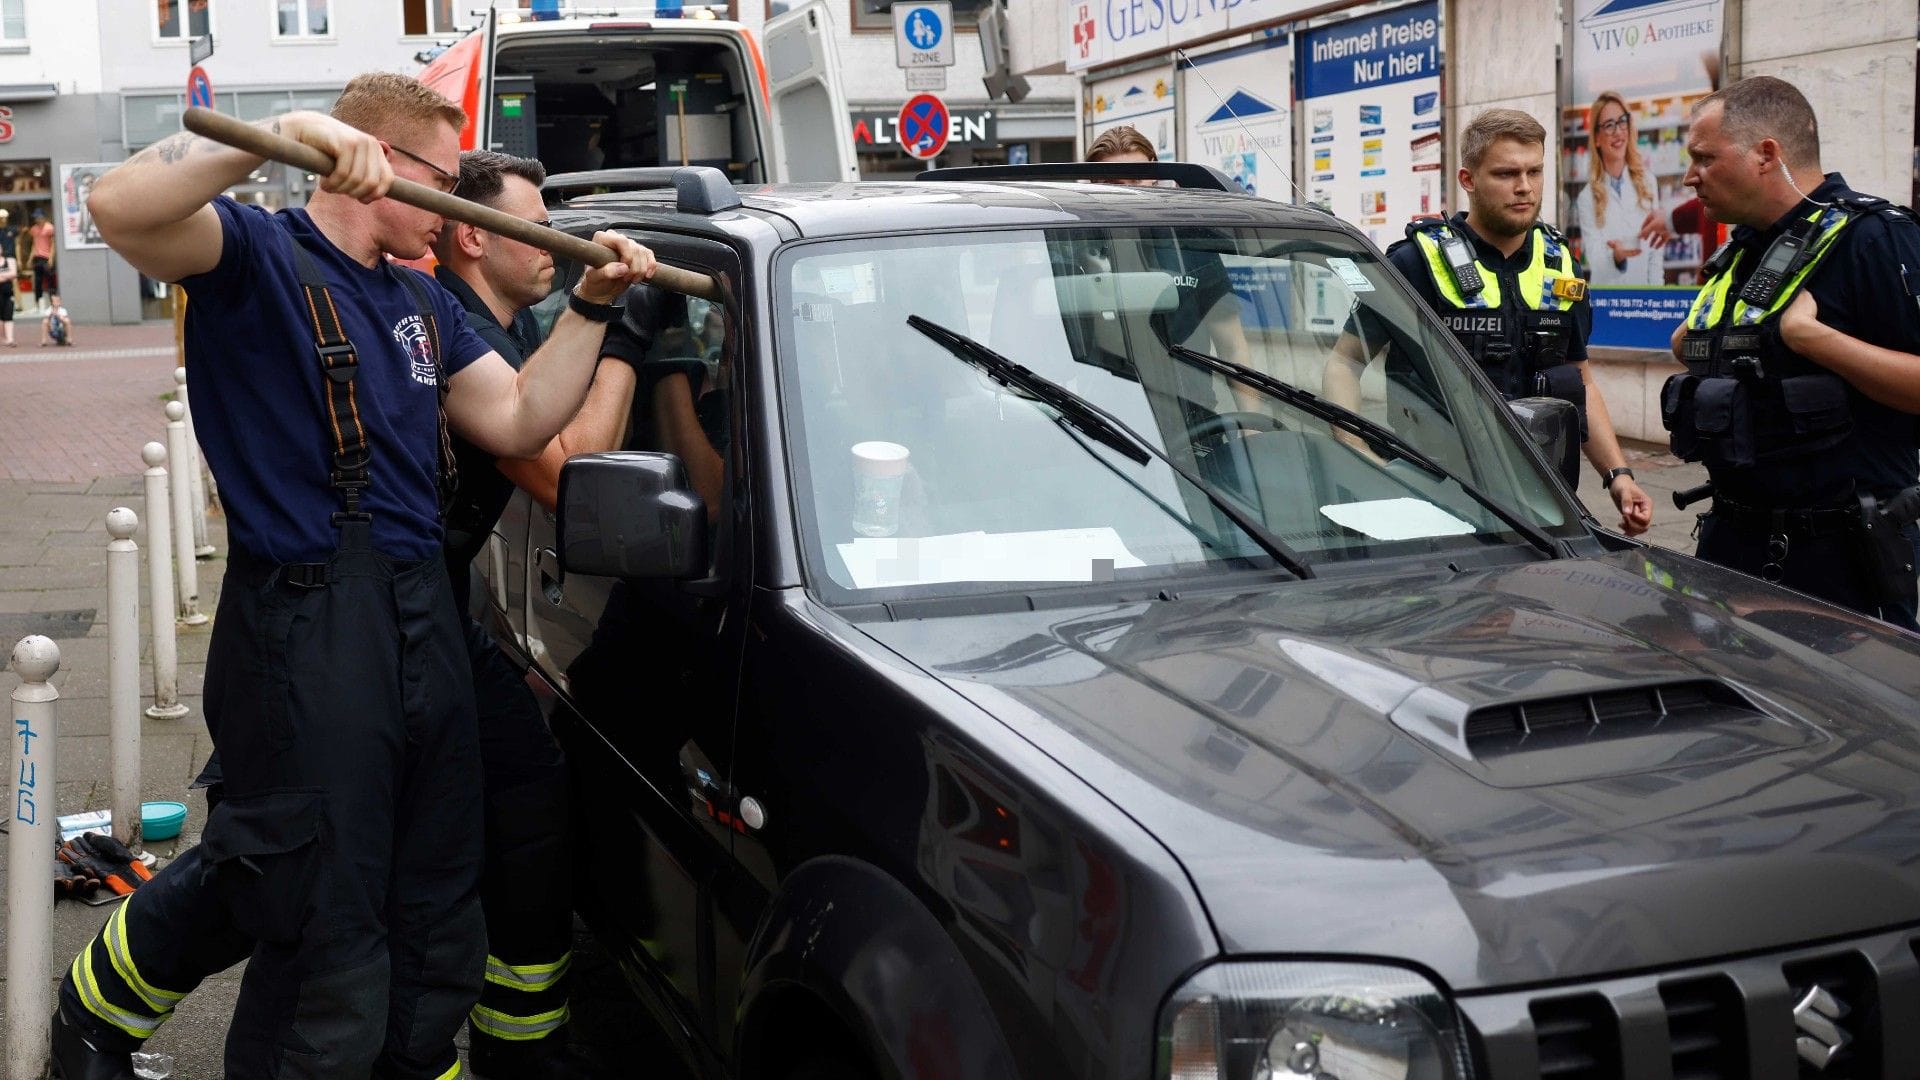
(588, 87)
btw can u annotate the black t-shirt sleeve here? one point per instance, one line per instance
(1871, 292)
(623, 342)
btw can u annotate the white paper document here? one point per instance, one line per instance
(1048, 555)
(1396, 519)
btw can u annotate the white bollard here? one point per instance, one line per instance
(195, 484)
(181, 499)
(32, 836)
(123, 672)
(166, 651)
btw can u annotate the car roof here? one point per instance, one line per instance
(867, 207)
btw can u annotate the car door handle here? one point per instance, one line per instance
(553, 580)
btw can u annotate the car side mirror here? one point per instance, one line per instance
(1554, 426)
(630, 514)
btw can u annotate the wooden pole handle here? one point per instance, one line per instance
(244, 136)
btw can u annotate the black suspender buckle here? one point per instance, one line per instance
(339, 361)
(306, 575)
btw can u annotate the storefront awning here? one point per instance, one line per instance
(28, 91)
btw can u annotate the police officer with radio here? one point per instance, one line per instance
(1506, 284)
(1802, 379)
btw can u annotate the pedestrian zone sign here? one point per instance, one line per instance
(923, 33)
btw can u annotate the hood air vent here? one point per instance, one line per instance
(1491, 728)
(1578, 1038)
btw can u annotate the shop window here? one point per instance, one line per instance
(425, 18)
(149, 118)
(179, 20)
(13, 22)
(878, 14)
(303, 18)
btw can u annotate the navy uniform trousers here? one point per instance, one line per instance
(343, 857)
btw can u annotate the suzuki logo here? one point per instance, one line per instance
(1821, 1036)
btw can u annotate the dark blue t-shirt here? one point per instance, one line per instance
(259, 408)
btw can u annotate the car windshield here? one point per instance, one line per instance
(917, 469)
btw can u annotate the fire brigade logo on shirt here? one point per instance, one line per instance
(411, 333)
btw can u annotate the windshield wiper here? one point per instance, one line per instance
(1100, 425)
(1381, 437)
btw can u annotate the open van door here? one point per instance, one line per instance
(464, 73)
(811, 126)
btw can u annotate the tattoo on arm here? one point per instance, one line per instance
(172, 148)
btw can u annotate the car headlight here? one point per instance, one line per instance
(1327, 1021)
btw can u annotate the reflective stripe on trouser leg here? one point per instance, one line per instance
(109, 986)
(519, 1028)
(531, 978)
(523, 1002)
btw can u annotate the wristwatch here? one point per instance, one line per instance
(1613, 474)
(587, 309)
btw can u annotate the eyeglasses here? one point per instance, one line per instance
(452, 179)
(1618, 123)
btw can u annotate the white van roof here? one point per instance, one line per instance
(660, 16)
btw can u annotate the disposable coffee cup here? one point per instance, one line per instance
(879, 472)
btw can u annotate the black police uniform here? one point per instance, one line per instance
(1528, 341)
(344, 855)
(1790, 447)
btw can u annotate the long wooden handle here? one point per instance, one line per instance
(244, 136)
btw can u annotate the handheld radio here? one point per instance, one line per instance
(1466, 275)
(1783, 257)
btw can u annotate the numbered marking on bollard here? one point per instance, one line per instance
(32, 833)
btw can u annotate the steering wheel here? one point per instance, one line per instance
(1217, 427)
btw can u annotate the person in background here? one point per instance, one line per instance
(40, 235)
(1207, 317)
(1612, 209)
(9, 271)
(56, 326)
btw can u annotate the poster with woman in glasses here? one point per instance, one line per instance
(1638, 67)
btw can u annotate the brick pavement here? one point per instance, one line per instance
(70, 415)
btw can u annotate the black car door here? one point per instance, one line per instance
(643, 676)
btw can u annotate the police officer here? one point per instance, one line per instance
(1506, 284)
(1802, 376)
(346, 848)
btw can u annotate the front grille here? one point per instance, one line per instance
(1838, 1012)
(1706, 1028)
(1578, 1037)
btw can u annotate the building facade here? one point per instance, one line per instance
(1357, 107)
(83, 85)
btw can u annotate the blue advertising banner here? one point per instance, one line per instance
(1371, 87)
(1638, 318)
(1390, 47)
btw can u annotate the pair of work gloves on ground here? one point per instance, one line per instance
(90, 862)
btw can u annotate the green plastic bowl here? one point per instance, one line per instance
(161, 820)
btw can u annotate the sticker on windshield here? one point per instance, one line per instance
(1396, 519)
(1350, 274)
(851, 284)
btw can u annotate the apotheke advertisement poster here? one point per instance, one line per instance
(1143, 99)
(1638, 67)
(1239, 116)
(1371, 90)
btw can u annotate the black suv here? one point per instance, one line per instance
(1074, 630)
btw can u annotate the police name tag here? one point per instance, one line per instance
(1569, 288)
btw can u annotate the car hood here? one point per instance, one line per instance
(1340, 769)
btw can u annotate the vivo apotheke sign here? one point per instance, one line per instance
(1100, 32)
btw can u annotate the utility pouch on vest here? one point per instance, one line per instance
(1563, 381)
(1676, 415)
(1816, 410)
(1723, 422)
(1886, 551)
